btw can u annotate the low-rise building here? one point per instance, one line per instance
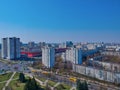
(100, 74)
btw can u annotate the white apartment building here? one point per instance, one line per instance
(62, 45)
(98, 73)
(48, 56)
(4, 48)
(91, 46)
(10, 48)
(74, 55)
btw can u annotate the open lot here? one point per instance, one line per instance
(51, 83)
(16, 76)
(63, 87)
(16, 85)
(2, 85)
(5, 77)
(41, 79)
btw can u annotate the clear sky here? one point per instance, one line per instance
(61, 20)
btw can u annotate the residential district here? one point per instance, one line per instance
(59, 66)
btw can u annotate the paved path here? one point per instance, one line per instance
(52, 88)
(45, 83)
(56, 84)
(41, 83)
(9, 81)
(73, 88)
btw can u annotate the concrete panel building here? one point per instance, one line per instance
(4, 48)
(74, 55)
(90, 71)
(11, 48)
(48, 56)
(100, 74)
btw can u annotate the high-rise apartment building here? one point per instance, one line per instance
(11, 48)
(48, 56)
(31, 44)
(4, 48)
(74, 55)
(69, 44)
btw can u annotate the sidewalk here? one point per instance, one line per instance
(9, 81)
(41, 83)
(73, 88)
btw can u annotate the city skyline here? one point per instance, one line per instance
(60, 21)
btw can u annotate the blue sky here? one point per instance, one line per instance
(61, 20)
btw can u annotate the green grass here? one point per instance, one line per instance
(16, 75)
(63, 87)
(4, 61)
(16, 85)
(67, 87)
(41, 79)
(5, 77)
(2, 85)
(51, 83)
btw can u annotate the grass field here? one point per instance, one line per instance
(16, 75)
(51, 83)
(2, 85)
(16, 85)
(63, 87)
(5, 77)
(41, 79)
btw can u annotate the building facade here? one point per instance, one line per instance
(4, 48)
(74, 55)
(100, 74)
(11, 48)
(48, 56)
